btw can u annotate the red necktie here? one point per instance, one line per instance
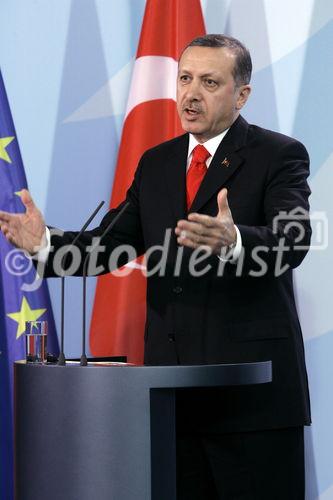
(196, 172)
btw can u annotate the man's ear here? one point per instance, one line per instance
(243, 95)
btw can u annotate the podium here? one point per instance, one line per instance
(106, 431)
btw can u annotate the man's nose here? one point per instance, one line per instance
(193, 90)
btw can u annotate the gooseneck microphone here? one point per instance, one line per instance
(62, 358)
(84, 361)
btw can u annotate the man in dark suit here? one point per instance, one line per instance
(238, 210)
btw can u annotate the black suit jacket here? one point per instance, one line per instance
(234, 316)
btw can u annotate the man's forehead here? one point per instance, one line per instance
(209, 57)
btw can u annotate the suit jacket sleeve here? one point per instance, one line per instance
(283, 241)
(127, 232)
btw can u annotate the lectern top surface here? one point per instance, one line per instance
(70, 362)
(160, 377)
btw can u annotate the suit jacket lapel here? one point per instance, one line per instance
(225, 162)
(227, 159)
(175, 176)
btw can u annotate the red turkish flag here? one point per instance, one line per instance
(118, 316)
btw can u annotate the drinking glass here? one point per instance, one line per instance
(36, 341)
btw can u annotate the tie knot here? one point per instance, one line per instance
(200, 154)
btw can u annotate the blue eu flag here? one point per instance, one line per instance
(18, 301)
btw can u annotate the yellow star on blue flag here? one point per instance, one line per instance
(25, 314)
(4, 142)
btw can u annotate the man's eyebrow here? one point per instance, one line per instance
(208, 75)
(205, 75)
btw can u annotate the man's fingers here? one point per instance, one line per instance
(5, 231)
(194, 241)
(203, 230)
(222, 201)
(4, 228)
(191, 240)
(27, 200)
(198, 223)
(208, 226)
(206, 220)
(4, 217)
(190, 227)
(197, 237)
(186, 242)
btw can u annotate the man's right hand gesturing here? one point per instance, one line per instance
(26, 231)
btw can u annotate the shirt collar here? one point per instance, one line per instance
(211, 145)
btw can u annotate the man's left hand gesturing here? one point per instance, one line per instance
(211, 233)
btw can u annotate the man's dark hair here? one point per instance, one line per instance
(243, 64)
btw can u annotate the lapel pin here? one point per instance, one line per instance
(225, 162)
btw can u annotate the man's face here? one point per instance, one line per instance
(208, 100)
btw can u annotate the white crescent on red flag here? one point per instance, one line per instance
(118, 318)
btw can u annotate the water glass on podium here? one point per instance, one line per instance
(36, 341)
